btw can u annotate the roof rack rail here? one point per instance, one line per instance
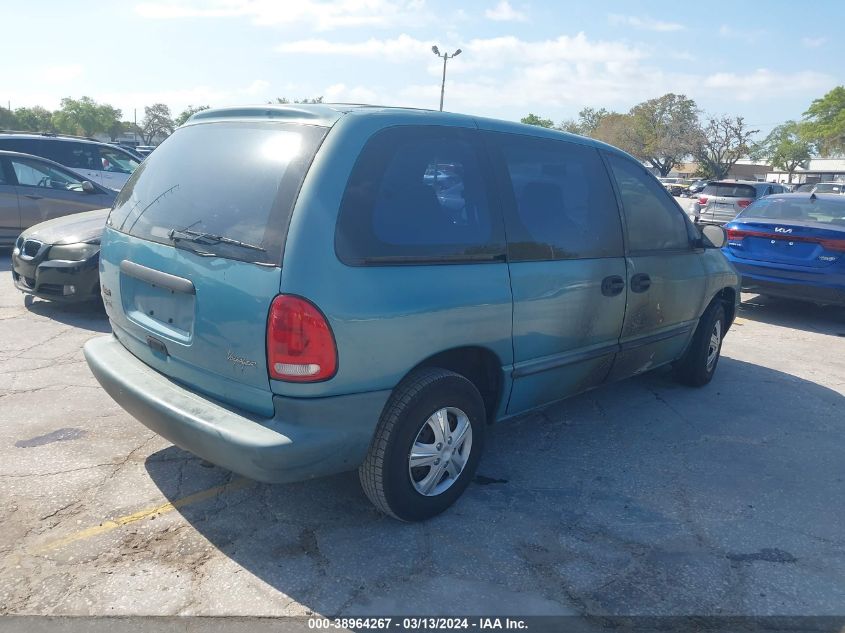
(51, 134)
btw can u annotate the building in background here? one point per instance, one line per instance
(814, 170)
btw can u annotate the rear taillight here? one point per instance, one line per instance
(828, 244)
(743, 203)
(300, 343)
(702, 200)
(833, 245)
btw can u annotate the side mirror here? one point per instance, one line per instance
(88, 186)
(715, 235)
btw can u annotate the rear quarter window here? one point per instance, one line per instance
(22, 145)
(418, 194)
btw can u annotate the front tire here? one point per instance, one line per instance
(426, 447)
(698, 364)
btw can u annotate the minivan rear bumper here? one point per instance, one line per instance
(307, 438)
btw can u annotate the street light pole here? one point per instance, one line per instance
(445, 57)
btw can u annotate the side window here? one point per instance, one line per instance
(74, 155)
(30, 173)
(417, 194)
(559, 203)
(116, 161)
(22, 145)
(654, 220)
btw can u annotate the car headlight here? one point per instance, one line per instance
(74, 252)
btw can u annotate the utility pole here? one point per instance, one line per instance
(445, 57)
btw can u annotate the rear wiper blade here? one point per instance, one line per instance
(209, 238)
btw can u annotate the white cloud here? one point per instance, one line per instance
(644, 23)
(764, 83)
(813, 42)
(61, 73)
(177, 99)
(257, 87)
(341, 93)
(503, 74)
(504, 12)
(323, 15)
(398, 49)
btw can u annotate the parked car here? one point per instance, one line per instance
(33, 190)
(102, 163)
(696, 187)
(793, 246)
(290, 298)
(59, 259)
(722, 200)
(675, 186)
(821, 187)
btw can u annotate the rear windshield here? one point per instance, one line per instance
(729, 190)
(829, 187)
(792, 207)
(232, 180)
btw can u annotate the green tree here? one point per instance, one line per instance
(589, 120)
(824, 122)
(720, 143)
(8, 120)
(784, 148)
(533, 119)
(85, 116)
(615, 129)
(188, 112)
(664, 131)
(285, 100)
(36, 119)
(156, 122)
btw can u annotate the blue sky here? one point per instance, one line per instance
(765, 61)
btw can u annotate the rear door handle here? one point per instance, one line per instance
(32, 197)
(612, 286)
(640, 282)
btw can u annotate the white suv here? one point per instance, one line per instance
(104, 164)
(722, 200)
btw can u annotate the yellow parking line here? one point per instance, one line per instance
(113, 524)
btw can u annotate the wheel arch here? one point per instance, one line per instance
(480, 365)
(728, 297)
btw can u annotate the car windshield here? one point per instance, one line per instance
(791, 207)
(729, 190)
(115, 160)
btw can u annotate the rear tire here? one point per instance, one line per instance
(698, 364)
(436, 418)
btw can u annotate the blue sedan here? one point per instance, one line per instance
(791, 245)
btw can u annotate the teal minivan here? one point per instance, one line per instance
(296, 291)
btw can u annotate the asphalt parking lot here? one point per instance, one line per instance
(643, 497)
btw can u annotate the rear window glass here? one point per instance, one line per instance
(829, 187)
(418, 194)
(730, 190)
(800, 208)
(232, 180)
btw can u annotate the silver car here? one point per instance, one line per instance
(722, 200)
(33, 190)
